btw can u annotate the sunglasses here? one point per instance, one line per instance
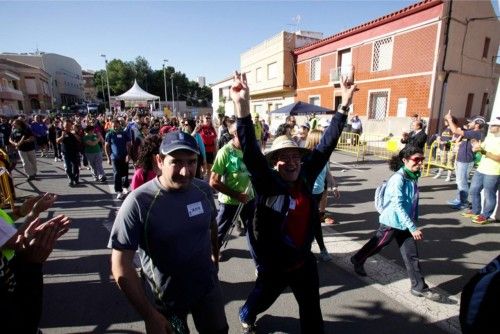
(417, 159)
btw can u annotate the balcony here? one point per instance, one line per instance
(9, 93)
(335, 73)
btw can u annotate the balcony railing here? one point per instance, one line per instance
(10, 93)
(335, 73)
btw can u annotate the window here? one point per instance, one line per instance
(382, 54)
(378, 105)
(486, 47)
(468, 106)
(483, 104)
(315, 69)
(272, 71)
(258, 74)
(315, 100)
(337, 100)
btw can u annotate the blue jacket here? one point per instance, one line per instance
(401, 194)
(270, 246)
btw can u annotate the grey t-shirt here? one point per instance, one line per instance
(173, 226)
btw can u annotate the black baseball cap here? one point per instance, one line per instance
(178, 140)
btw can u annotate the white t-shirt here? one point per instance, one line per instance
(6, 231)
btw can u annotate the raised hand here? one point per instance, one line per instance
(347, 90)
(240, 94)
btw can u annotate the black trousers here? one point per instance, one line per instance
(304, 283)
(407, 246)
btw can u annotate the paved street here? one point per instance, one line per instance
(81, 297)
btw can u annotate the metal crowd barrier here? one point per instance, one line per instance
(441, 158)
(385, 146)
(349, 142)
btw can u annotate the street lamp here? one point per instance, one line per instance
(173, 99)
(107, 81)
(165, 81)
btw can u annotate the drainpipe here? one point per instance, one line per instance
(443, 69)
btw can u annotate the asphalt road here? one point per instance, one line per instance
(81, 296)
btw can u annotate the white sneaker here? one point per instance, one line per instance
(437, 176)
(448, 179)
(120, 196)
(125, 191)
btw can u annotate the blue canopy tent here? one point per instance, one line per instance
(301, 108)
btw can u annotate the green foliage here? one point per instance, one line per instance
(122, 75)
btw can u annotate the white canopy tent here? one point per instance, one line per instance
(136, 93)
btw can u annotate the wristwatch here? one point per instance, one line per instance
(344, 108)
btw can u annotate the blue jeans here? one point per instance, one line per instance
(490, 185)
(462, 171)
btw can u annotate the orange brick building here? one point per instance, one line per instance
(424, 59)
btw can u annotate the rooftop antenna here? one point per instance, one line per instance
(296, 20)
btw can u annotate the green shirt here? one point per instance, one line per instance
(229, 163)
(89, 148)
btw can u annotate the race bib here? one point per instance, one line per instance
(293, 203)
(195, 209)
(118, 136)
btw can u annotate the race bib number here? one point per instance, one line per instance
(195, 209)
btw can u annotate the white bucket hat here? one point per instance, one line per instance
(284, 142)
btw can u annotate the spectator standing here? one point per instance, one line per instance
(266, 135)
(5, 131)
(286, 217)
(23, 140)
(443, 150)
(417, 137)
(23, 253)
(178, 259)
(465, 157)
(117, 148)
(259, 132)
(486, 177)
(356, 128)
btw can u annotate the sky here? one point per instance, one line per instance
(199, 38)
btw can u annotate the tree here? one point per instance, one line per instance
(122, 75)
(143, 72)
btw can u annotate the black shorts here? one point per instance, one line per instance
(42, 141)
(210, 157)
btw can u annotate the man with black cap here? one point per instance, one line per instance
(170, 220)
(287, 215)
(465, 156)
